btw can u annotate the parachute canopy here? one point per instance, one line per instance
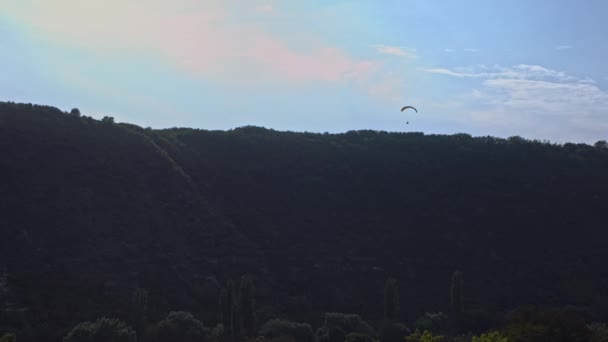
(406, 107)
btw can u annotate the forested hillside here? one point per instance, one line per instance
(91, 210)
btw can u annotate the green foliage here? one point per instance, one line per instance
(301, 332)
(599, 332)
(391, 300)
(182, 326)
(534, 325)
(463, 338)
(102, 330)
(425, 336)
(8, 338)
(356, 337)
(490, 337)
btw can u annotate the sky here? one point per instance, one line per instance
(531, 68)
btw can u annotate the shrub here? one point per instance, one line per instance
(102, 330)
(182, 326)
(301, 332)
(356, 337)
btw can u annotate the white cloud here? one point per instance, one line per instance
(448, 72)
(521, 71)
(448, 50)
(395, 51)
(536, 102)
(563, 47)
(471, 50)
(265, 8)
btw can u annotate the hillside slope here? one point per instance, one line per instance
(90, 210)
(336, 214)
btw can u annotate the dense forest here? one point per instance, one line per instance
(114, 232)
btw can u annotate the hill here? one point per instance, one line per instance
(91, 209)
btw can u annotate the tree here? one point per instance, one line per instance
(456, 299)
(246, 307)
(139, 310)
(75, 112)
(104, 329)
(601, 145)
(107, 120)
(391, 300)
(227, 307)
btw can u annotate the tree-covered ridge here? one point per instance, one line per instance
(91, 210)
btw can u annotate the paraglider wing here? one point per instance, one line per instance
(406, 107)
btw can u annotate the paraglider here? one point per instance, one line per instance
(406, 107)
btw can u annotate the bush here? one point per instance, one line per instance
(348, 323)
(8, 338)
(490, 337)
(530, 324)
(356, 337)
(301, 332)
(425, 336)
(599, 332)
(102, 330)
(432, 321)
(182, 326)
(331, 335)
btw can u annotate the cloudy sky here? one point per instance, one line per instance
(534, 68)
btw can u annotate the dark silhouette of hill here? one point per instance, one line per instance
(90, 210)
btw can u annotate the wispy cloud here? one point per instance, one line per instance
(395, 51)
(535, 101)
(563, 47)
(265, 8)
(448, 50)
(521, 71)
(471, 50)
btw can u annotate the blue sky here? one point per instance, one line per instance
(533, 68)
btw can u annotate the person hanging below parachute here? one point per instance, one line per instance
(406, 107)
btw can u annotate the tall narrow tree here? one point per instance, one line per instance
(139, 311)
(456, 299)
(391, 300)
(226, 306)
(246, 307)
